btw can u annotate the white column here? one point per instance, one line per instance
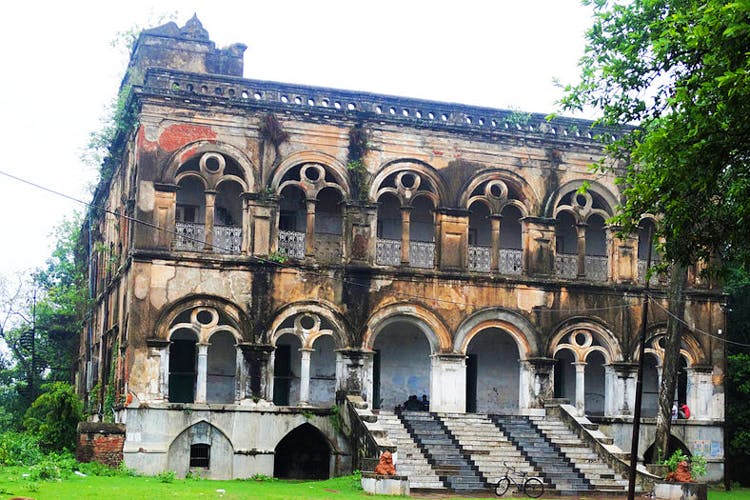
(200, 383)
(242, 384)
(164, 373)
(527, 385)
(700, 395)
(580, 387)
(304, 376)
(612, 401)
(448, 383)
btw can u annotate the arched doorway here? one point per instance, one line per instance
(286, 364)
(323, 371)
(492, 372)
(401, 364)
(182, 366)
(222, 368)
(565, 375)
(304, 453)
(595, 395)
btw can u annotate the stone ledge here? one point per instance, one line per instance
(377, 484)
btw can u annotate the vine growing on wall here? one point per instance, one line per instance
(359, 145)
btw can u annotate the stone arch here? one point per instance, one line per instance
(690, 347)
(193, 149)
(517, 326)
(321, 309)
(330, 165)
(403, 193)
(525, 198)
(607, 342)
(221, 457)
(303, 453)
(675, 444)
(238, 319)
(425, 320)
(605, 196)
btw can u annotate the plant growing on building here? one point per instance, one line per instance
(359, 145)
(697, 463)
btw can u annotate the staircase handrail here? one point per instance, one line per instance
(568, 415)
(364, 445)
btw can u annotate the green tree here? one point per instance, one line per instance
(53, 417)
(679, 69)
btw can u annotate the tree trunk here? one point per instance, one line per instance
(671, 359)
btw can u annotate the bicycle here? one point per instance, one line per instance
(530, 485)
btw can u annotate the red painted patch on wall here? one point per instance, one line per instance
(142, 143)
(176, 136)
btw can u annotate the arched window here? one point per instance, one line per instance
(209, 211)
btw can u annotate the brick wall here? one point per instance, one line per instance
(100, 442)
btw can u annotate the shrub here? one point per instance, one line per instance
(18, 448)
(166, 477)
(697, 463)
(53, 417)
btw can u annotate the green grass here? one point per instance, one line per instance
(12, 483)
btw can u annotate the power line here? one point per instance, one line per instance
(693, 329)
(284, 265)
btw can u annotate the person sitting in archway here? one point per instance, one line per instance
(684, 411)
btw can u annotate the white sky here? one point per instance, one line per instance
(60, 71)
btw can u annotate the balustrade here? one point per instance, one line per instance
(566, 265)
(511, 261)
(189, 236)
(227, 239)
(388, 252)
(479, 258)
(422, 254)
(328, 247)
(292, 244)
(596, 268)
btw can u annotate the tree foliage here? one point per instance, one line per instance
(679, 69)
(673, 75)
(54, 416)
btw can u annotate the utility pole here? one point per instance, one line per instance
(639, 377)
(33, 348)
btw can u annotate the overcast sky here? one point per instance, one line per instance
(60, 71)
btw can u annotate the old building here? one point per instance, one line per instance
(269, 249)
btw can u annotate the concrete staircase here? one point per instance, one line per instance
(443, 452)
(409, 459)
(601, 477)
(468, 452)
(541, 453)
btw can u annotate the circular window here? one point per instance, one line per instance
(496, 190)
(312, 174)
(581, 200)
(204, 317)
(580, 338)
(408, 181)
(307, 322)
(212, 163)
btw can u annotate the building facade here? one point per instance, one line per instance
(268, 249)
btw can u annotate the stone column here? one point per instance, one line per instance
(448, 383)
(623, 394)
(581, 235)
(200, 383)
(536, 382)
(158, 354)
(580, 387)
(405, 234)
(350, 374)
(700, 393)
(310, 228)
(257, 356)
(210, 209)
(241, 385)
(539, 246)
(304, 376)
(496, 222)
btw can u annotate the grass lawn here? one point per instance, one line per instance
(12, 483)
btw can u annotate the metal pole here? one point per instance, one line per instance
(33, 347)
(639, 377)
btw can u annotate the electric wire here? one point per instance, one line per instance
(692, 328)
(291, 265)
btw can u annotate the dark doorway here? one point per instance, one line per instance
(376, 380)
(282, 375)
(682, 382)
(471, 383)
(182, 371)
(674, 445)
(304, 453)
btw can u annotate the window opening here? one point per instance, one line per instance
(200, 455)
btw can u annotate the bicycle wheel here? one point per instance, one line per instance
(533, 487)
(502, 486)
